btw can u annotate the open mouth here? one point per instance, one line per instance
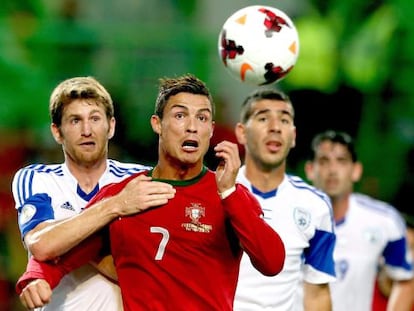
(190, 145)
(88, 143)
(273, 145)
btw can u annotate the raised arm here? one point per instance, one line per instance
(263, 245)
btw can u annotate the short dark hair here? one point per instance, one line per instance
(187, 83)
(338, 137)
(260, 94)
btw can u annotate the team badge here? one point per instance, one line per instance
(27, 213)
(195, 212)
(302, 218)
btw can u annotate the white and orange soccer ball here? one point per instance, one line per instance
(259, 44)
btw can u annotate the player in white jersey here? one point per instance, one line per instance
(50, 198)
(300, 214)
(369, 232)
(51, 192)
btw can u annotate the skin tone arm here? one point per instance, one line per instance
(401, 297)
(51, 239)
(317, 297)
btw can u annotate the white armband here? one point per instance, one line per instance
(227, 192)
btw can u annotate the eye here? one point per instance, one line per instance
(179, 115)
(202, 117)
(74, 121)
(285, 121)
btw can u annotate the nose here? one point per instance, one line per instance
(86, 129)
(192, 125)
(274, 125)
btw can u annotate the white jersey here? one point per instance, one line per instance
(45, 192)
(371, 232)
(303, 218)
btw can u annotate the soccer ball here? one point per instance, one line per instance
(259, 45)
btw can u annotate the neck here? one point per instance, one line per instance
(87, 175)
(340, 205)
(262, 178)
(176, 172)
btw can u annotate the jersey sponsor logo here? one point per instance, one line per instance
(67, 206)
(195, 212)
(302, 218)
(27, 213)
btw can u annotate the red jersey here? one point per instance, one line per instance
(185, 255)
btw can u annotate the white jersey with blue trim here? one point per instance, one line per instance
(302, 216)
(46, 192)
(371, 232)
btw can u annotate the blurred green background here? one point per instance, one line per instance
(354, 73)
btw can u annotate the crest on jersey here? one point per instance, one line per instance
(27, 213)
(195, 212)
(302, 218)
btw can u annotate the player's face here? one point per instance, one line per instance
(269, 134)
(185, 129)
(84, 132)
(333, 170)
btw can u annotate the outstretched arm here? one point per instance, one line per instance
(51, 239)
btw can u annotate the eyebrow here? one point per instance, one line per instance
(281, 111)
(186, 108)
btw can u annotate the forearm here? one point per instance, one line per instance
(263, 245)
(52, 239)
(316, 297)
(401, 297)
(53, 271)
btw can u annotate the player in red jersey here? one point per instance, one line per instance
(183, 255)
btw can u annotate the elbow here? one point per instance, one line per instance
(274, 261)
(40, 251)
(274, 268)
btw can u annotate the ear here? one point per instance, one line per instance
(294, 138)
(156, 124)
(213, 124)
(56, 133)
(357, 171)
(111, 132)
(309, 170)
(240, 132)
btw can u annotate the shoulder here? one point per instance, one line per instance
(303, 190)
(40, 169)
(376, 207)
(122, 168)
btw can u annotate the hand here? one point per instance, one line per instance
(36, 294)
(142, 193)
(229, 165)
